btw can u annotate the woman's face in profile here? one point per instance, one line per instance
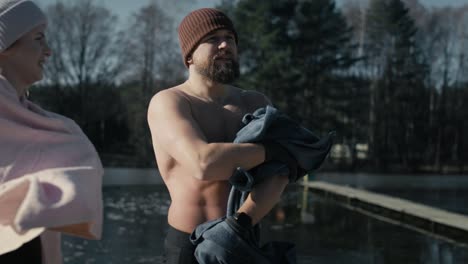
(26, 57)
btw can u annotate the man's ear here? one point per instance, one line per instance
(189, 60)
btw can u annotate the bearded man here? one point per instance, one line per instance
(193, 126)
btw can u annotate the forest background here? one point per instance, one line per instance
(389, 76)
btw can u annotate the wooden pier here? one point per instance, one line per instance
(429, 220)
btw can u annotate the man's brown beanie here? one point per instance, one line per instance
(197, 25)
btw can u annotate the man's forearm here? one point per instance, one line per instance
(219, 160)
(264, 197)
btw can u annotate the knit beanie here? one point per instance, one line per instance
(17, 17)
(197, 25)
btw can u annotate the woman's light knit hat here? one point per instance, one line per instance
(18, 17)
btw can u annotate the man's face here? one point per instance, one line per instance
(216, 56)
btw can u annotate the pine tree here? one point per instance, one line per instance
(294, 50)
(398, 97)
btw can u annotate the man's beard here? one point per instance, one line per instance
(221, 71)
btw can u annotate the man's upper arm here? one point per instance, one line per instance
(174, 129)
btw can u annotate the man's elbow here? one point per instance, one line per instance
(204, 164)
(210, 169)
(208, 166)
(202, 171)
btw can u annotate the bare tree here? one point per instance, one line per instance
(83, 38)
(458, 110)
(355, 13)
(153, 47)
(156, 64)
(440, 40)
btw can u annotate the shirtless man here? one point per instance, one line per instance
(193, 126)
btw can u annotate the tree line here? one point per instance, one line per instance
(386, 75)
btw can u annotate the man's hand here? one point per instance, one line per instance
(276, 152)
(244, 232)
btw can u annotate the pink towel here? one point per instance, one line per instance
(50, 177)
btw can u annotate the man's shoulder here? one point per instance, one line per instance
(253, 94)
(253, 98)
(171, 99)
(168, 95)
(174, 91)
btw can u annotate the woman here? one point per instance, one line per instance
(50, 174)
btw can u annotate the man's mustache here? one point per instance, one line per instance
(224, 55)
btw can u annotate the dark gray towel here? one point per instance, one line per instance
(219, 241)
(269, 124)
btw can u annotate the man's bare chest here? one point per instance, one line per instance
(219, 123)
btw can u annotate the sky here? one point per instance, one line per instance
(444, 2)
(124, 8)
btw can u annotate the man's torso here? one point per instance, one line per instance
(194, 201)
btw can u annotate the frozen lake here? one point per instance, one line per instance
(324, 232)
